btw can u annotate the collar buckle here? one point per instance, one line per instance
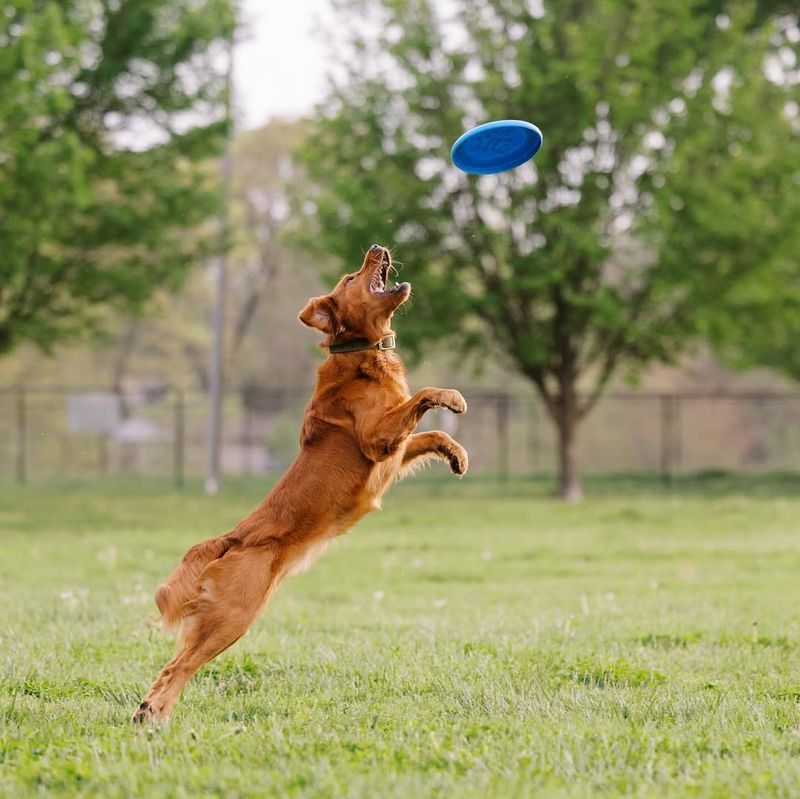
(387, 343)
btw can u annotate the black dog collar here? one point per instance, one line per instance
(388, 342)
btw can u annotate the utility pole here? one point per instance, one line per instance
(216, 381)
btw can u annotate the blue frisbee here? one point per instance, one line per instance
(496, 146)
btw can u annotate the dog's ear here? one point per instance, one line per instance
(319, 313)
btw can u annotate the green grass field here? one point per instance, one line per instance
(467, 642)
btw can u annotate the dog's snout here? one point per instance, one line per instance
(375, 248)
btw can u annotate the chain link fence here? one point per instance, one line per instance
(50, 433)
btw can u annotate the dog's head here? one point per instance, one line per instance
(361, 305)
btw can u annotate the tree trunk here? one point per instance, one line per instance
(569, 481)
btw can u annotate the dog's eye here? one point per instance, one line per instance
(349, 280)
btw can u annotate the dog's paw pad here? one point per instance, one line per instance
(458, 463)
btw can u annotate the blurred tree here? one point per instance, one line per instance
(765, 330)
(106, 108)
(759, 322)
(667, 183)
(264, 347)
(267, 283)
(169, 342)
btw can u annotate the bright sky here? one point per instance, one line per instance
(280, 65)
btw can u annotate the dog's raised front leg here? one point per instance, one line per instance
(380, 436)
(435, 444)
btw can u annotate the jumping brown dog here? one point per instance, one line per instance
(357, 438)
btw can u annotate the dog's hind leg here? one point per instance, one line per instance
(233, 591)
(434, 444)
(182, 586)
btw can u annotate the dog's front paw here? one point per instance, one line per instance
(452, 400)
(458, 460)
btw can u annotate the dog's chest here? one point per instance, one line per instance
(381, 476)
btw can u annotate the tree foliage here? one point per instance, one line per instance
(106, 108)
(169, 342)
(665, 187)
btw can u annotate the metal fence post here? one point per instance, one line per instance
(247, 440)
(178, 439)
(102, 455)
(22, 437)
(534, 441)
(503, 443)
(666, 438)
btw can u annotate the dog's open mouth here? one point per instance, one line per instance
(378, 282)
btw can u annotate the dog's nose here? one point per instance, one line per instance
(375, 248)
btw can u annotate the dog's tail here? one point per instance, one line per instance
(182, 585)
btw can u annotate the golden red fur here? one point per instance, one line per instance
(357, 438)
